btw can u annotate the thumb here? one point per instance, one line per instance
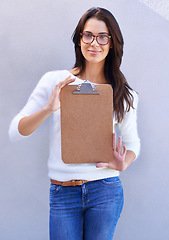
(101, 165)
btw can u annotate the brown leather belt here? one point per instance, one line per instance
(69, 183)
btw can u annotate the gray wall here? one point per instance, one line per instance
(35, 37)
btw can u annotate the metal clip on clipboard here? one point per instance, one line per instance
(86, 88)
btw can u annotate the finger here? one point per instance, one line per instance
(114, 141)
(61, 82)
(119, 147)
(124, 151)
(101, 165)
(68, 80)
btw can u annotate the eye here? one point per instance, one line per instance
(103, 37)
(88, 35)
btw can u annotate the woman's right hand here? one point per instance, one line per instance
(28, 124)
(54, 101)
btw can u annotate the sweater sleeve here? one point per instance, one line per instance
(37, 100)
(128, 128)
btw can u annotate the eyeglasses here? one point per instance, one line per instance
(101, 39)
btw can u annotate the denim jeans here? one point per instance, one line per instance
(86, 212)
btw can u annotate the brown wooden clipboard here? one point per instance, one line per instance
(86, 123)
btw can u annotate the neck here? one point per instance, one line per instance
(94, 73)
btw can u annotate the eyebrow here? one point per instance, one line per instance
(98, 33)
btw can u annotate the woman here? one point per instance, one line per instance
(85, 199)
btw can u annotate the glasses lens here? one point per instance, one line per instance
(87, 38)
(103, 39)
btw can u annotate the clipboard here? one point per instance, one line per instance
(86, 123)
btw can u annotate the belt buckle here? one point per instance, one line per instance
(80, 182)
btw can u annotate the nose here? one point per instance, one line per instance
(94, 43)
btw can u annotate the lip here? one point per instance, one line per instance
(94, 52)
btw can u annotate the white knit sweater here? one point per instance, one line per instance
(58, 170)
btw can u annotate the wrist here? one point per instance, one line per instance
(48, 110)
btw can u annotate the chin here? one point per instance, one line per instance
(96, 60)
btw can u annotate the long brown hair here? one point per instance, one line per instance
(121, 89)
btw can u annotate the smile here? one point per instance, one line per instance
(94, 52)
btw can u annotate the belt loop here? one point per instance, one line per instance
(74, 183)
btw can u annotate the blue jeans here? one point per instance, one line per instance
(86, 212)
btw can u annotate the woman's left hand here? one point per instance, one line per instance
(119, 156)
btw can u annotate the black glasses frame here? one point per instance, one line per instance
(95, 37)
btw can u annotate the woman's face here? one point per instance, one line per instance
(95, 52)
